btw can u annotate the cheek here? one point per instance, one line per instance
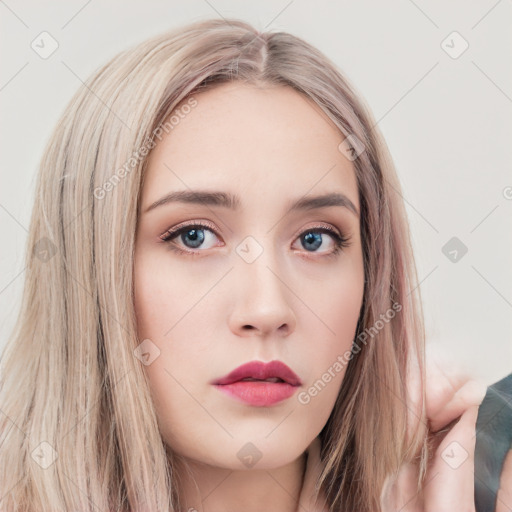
(336, 305)
(343, 308)
(146, 304)
(156, 297)
(167, 314)
(330, 336)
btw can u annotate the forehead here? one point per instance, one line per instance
(251, 140)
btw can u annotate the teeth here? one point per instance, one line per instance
(270, 379)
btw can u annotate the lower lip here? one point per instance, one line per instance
(259, 393)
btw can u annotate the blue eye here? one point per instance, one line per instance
(192, 236)
(313, 237)
(191, 233)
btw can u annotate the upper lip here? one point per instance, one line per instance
(262, 371)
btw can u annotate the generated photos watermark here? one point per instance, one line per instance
(138, 155)
(304, 397)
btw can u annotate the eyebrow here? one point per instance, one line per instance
(232, 201)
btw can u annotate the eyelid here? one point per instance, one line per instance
(319, 226)
(199, 223)
(341, 240)
(204, 223)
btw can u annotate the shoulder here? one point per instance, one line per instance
(504, 498)
(493, 449)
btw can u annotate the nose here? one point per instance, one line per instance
(262, 306)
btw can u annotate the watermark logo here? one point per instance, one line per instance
(249, 249)
(454, 455)
(44, 454)
(454, 45)
(44, 45)
(44, 249)
(249, 455)
(454, 249)
(304, 397)
(138, 155)
(146, 352)
(351, 147)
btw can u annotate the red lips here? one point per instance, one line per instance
(275, 371)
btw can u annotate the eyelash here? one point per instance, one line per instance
(340, 241)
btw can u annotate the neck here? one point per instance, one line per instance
(205, 488)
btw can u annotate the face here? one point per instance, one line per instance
(222, 283)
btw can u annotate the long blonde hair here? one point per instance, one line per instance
(78, 429)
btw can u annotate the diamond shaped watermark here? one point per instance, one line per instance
(454, 455)
(454, 249)
(351, 147)
(44, 45)
(44, 249)
(44, 454)
(146, 352)
(249, 249)
(249, 455)
(454, 45)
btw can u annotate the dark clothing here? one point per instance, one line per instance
(493, 441)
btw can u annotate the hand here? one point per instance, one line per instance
(449, 481)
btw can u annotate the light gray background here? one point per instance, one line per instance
(447, 122)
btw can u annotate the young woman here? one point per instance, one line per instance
(221, 309)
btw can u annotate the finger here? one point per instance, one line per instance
(400, 493)
(471, 393)
(450, 484)
(442, 384)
